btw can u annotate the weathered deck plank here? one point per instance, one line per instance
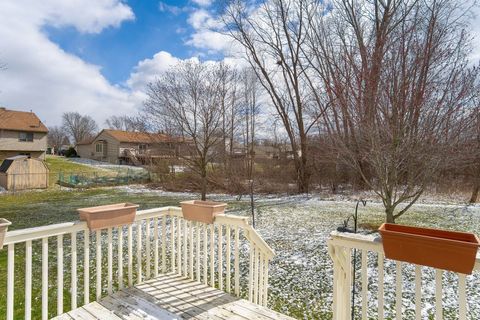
(169, 297)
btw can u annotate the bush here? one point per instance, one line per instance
(71, 153)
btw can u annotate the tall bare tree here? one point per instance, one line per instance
(188, 95)
(78, 127)
(57, 137)
(250, 111)
(273, 35)
(126, 123)
(397, 77)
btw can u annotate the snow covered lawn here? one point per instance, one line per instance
(297, 228)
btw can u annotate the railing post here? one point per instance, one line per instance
(342, 281)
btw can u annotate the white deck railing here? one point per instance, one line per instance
(341, 246)
(160, 240)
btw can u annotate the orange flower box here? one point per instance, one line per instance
(202, 211)
(111, 215)
(4, 223)
(441, 249)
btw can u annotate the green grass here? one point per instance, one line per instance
(58, 165)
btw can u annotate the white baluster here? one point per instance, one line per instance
(462, 297)
(130, 255)
(109, 261)
(197, 253)
(98, 244)
(28, 279)
(364, 285)
(220, 257)
(265, 284)
(44, 278)
(164, 241)
(237, 263)
(228, 260)
(250, 273)
(212, 255)
(155, 247)
(73, 271)
(179, 245)
(185, 247)
(191, 250)
(59, 274)
(418, 292)
(120, 257)
(86, 267)
(10, 280)
(260, 280)
(172, 242)
(205, 253)
(438, 294)
(139, 252)
(398, 290)
(380, 286)
(147, 248)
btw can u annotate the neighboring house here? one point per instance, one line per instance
(22, 133)
(116, 146)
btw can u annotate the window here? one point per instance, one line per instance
(142, 148)
(99, 147)
(25, 136)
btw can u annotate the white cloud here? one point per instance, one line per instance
(41, 76)
(175, 10)
(148, 70)
(203, 3)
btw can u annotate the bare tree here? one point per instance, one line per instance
(273, 36)
(78, 127)
(57, 137)
(250, 112)
(188, 95)
(396, 75)
(126, 123)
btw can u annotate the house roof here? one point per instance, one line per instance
(85, 142)
(141, 137)
(20, 121)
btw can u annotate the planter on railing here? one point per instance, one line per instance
(441, 249)
(107, 216)
(202, 211)
(4, 223)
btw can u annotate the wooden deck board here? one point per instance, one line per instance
(169, 297)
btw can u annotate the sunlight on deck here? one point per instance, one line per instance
(171, 296)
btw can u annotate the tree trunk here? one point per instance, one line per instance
(476, 190)
(389, 214)
(204, 184)
(303, 175)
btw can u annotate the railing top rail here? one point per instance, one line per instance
(38, 233)
(366, 242)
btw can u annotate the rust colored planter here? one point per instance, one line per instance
(202, 211)
(111, 215)
(446, 250)
(4, 223)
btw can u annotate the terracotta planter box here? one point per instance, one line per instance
(202, 211)
(111, 215)
(4, 223)
(446, 250)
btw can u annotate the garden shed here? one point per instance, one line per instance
(21, 172)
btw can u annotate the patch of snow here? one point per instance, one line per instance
(104, 165)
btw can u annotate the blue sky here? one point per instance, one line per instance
(97, 56)
(118, 50)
